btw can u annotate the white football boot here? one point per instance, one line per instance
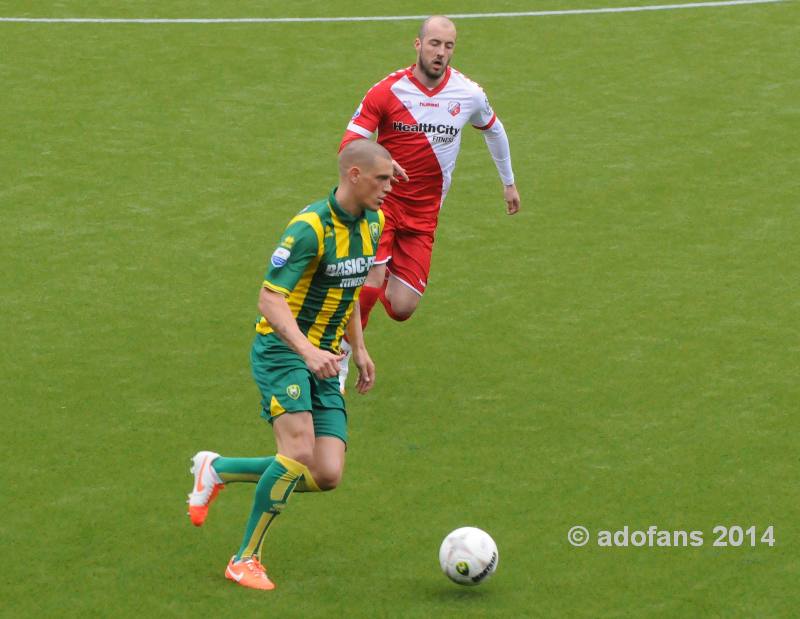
(207, 485)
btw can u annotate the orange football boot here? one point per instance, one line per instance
(249, 573)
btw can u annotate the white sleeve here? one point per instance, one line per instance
(497, 141)
(482, 116)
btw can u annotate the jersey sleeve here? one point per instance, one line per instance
(483, 117)
(366, 118)
(299, 245)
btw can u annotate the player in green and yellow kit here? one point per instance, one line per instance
(308, 302)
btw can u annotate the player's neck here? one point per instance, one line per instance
(422, 78)
(347, 202)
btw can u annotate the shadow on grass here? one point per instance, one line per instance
(452, 593)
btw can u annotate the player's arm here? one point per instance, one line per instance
(275, 309)
(300, 243)
(355, 336)
(364, 124)
(494, 134)
(497, 141)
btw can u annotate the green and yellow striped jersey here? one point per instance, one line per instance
(320, 265)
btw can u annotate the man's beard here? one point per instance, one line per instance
(429, 71)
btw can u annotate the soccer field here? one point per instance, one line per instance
(623, 354)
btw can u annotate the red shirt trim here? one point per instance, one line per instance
(427, 91)
(487, 125)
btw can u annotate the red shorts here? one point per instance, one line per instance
(407, 252)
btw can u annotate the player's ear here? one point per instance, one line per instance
(353, 174)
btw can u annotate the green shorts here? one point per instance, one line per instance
(288, 386)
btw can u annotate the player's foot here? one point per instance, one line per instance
(207, 485)
(249, 573)
(344, 364)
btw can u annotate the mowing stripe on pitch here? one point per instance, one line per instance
(287, 20)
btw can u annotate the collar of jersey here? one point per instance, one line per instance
(342, 214)
(424, 89)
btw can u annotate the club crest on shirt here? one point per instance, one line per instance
(454, 107)
(293, 391)
(288, 242)
(357, 113)
(374, 231)
(280, 257)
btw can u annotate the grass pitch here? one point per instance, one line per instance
(623, 352)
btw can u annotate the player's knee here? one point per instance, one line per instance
(328, 480)
(400, 316)
(401, 304)
(400, 312)
(304, 454)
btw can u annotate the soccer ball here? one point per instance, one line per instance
(468, 556)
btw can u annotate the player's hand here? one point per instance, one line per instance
(398, 172)
(322, 363)
(366, 370)
(511, 196)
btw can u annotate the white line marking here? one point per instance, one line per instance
(286, 20)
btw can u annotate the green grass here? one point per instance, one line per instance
(625, 351)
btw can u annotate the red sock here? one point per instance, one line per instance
(366, 300)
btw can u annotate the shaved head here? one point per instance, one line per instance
(434, 44)
(361, 154)
(365, 176)
(435, 21)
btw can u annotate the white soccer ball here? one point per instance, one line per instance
(468, 556)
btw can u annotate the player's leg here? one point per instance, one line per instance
(319, 459)
(408, 274)
(294, 435)
(330, 429)
(285, 385)
(273, 374)
(284, 382)
(376, 279)
(327, 466)
(400, 299)
(232, 470)
(210, 478)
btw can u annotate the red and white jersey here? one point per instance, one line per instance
(421, 128)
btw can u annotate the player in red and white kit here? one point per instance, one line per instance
(418, 114)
